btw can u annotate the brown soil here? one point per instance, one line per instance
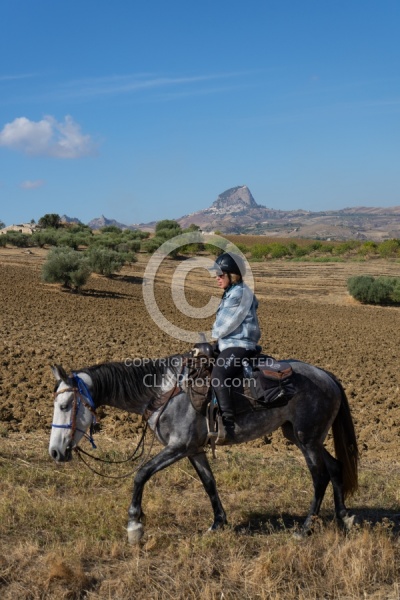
(305, 313)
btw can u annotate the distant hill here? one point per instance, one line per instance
(236, 211)
(102, 221)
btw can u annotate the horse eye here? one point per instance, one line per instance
(64, 407)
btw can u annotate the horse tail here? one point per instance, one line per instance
(345, 443)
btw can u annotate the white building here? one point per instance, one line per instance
(27, 228)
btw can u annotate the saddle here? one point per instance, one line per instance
(267, 384)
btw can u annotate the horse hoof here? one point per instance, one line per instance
(348, 522)
(300, 536)
(135, 532)
(217, 525)
(214, 529)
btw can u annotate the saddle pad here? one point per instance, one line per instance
(276, 370)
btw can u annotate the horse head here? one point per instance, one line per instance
(74, 413)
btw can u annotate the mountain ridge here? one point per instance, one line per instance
(236, 211)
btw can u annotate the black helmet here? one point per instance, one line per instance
(229, 263)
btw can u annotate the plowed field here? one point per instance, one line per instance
(305, 313)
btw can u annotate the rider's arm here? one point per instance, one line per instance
(233, 310)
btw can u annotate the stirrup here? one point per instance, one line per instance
(216, 432)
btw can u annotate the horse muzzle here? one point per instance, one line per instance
(59, 456)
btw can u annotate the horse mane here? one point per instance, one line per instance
(123, 384)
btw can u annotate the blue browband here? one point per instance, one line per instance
(84, 391)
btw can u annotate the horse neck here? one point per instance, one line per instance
(130, 387)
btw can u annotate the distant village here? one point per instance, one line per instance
(26, 228)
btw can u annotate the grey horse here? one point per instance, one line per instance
(319, 405)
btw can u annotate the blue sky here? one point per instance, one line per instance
(148, 110)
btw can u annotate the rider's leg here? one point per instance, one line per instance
(227, 367)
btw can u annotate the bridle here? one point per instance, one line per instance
(81, 395)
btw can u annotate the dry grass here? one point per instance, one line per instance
(62, 531)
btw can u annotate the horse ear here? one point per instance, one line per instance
(59, 373)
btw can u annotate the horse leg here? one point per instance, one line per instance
(318, 469)
(320, 477)
(343, 516)
(165, 458)
(202, 467)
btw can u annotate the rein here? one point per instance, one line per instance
(81, 395)
(80, 451)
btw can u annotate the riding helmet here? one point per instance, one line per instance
(229, 263)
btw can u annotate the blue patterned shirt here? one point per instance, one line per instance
(236, 322)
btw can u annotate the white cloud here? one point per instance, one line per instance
(31, 185)
(47, 137)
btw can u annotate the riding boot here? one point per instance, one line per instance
(229, 425)
(225, 406)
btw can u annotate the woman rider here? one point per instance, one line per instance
(237, 331)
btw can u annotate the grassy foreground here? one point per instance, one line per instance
(62, 530)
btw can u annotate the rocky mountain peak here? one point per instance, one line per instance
(102, 221)
(235, 199)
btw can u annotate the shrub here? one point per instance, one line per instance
(80, 228)
(105, 262)
(83, 238)
(389, 248)
(345, 247)
(136, 234)
(359, 287)
(215, 247)
(214, 250)
(129, 257)
(168, 233)
(167, 224)
(111, 229)
(18, 239)
(129, 246)
(106, 240)
(50, 220)
(278, 250)
(191, 248)
(368, 248)
(300, 251)
(260, 251)
(152, 245)
(367, 289)
(69, 240)
(316, 245)
(66, 266)
(45, 237)
(396, 292)
(243, 248)
(381, 290)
